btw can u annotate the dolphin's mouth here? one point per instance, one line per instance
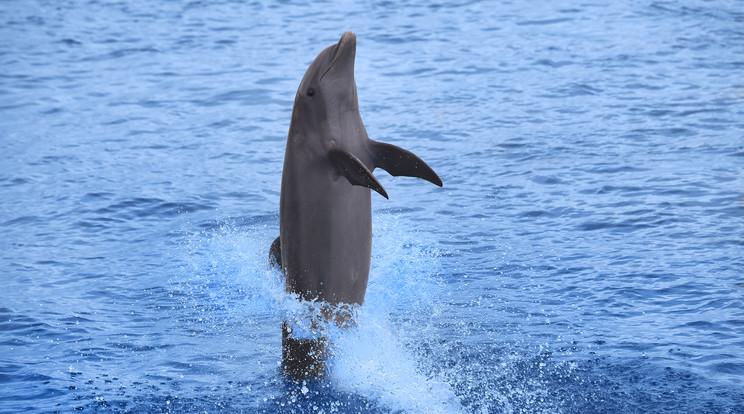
(345, 47)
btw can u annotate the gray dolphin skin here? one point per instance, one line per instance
(325, 238)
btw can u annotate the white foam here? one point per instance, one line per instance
(372, 359)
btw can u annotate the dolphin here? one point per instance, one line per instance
(325, 238)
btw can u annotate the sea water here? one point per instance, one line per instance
(585, 254)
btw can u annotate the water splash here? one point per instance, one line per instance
(377, 358)
(373, 361)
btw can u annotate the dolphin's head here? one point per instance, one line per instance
(327, 98)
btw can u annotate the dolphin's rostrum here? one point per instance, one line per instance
(325, 238)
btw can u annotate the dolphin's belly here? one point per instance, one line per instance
(326, 237)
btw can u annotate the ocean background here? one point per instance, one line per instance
(585, 255)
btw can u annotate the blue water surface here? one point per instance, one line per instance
(585, 254)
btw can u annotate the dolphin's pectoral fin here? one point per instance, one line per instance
(275, 254)
(397, 162)
(354, 170)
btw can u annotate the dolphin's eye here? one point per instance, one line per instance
(311, 92)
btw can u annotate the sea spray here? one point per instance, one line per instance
(373, 360)
(377, 357)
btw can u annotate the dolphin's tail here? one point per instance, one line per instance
(302, 358)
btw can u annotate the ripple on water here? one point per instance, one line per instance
(590, 224)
